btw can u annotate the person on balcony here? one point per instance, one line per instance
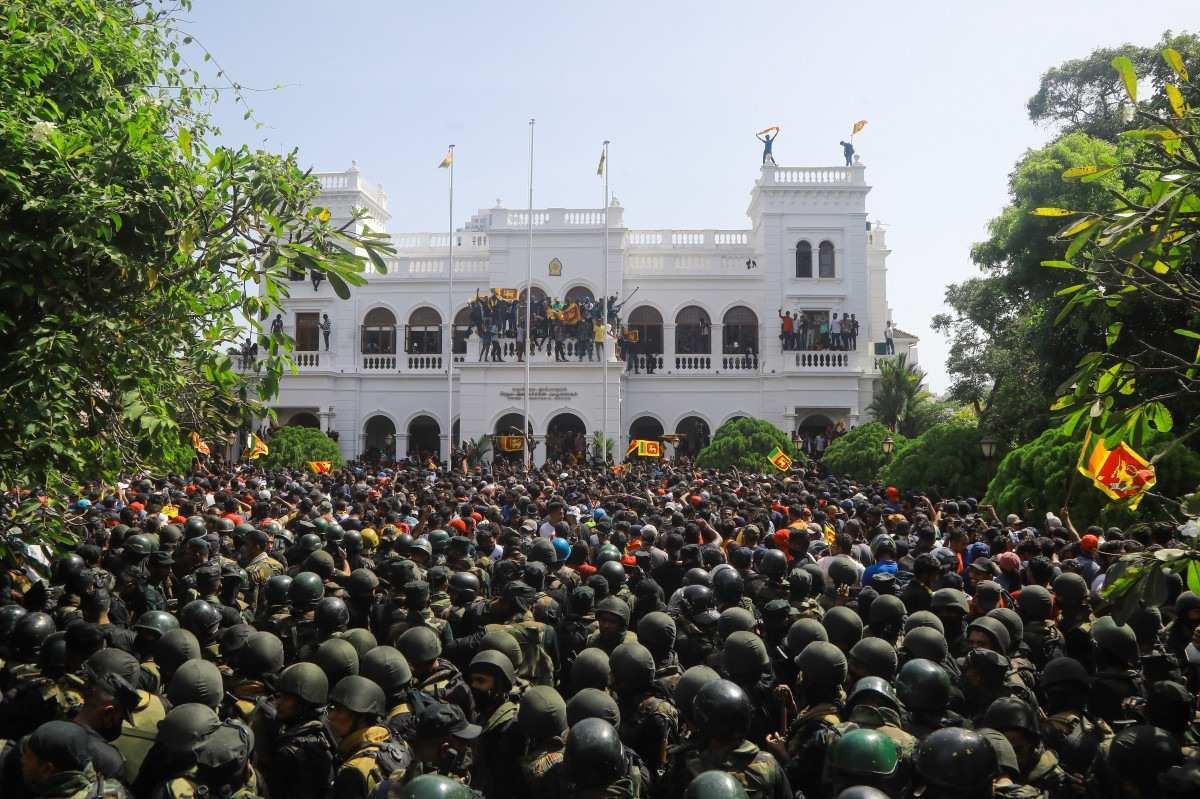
(326, 328)
(853, 332)
(787, 329)
(848, 152)
(889, 338)
(598, 334)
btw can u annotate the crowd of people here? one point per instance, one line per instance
(658, 631)
(817, 330)
(498, 319)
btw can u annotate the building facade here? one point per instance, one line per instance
(396, 377)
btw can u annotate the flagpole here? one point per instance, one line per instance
(529, 305)
(450, 327)
(604, 320)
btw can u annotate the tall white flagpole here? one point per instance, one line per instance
(528, 438)
(604, 321)
(450, 328)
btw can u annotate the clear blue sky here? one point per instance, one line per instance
(680, 89)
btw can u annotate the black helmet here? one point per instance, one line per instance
(196, 681)
(632, 667)
(385, 666)
(845, 627)
(224, 526)
(1009, 713)
(1117, 640)
(419, 645)
(1064, 670)
(175, 648)
(874, 691)
(593, 703)
(722, 705)
(435, 786)
(337, 658)
(774, 564)
(614, 573)
(52, 659)
(926, 642)
(278, 587)
(957, 760)
(690, 683)
(496, 663)
(728, 585)
(542, 712)
(30, 633)
(802, 633)
(66, 568)
(332, 614)
(361, 583)
(139, 545)
(184, 728)
(306, 590)
(594, 756)
(591, 669)
(923, 685)
(715, 785)
(261, 654)
(695, 600)
(745, 655)
(201, 618)
(308, 543)
(9, 616)
(656, 631)
(359, 695)
(463, 587)
(306, 681)
(156, 623)
(194, 527)
(861, 792)
(1035, 603)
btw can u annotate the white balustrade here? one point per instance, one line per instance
(820, 359)
(814, 175)
(379, 363)
(425, 363)
(745, 362)
(693, 364)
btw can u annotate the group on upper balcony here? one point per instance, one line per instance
(817, 330)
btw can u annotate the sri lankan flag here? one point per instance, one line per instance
(571, 314)
(321, 467)
(858, 126)
(644, 448)
(510, 443)
(448, 160)
(199, 445)
(1120, 473)
(258, 448)
(507, 294)
(779, 459)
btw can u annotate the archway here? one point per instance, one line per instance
(693, 331)
(694, 435)
(580, 294)
(739, 331)
(647, 321)
(304, 419)
(379, 439)
(379, 332)
(566, 438)
(423, 335)
(814, 433)
(462, 330)
(645, 427)
(508, 425)
(424, 438)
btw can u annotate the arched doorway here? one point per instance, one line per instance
(739, 331)
(581, 295)
(379, 332)
(645, 427)
(462, 330)
(423, 335)
(508, 425)
(379, 439)
(693, 331)
(304, 419)
(814, 433)
(694, 435)
(424, 439)
(566, 438)
(647, 321)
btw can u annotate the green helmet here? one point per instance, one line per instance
(542, 713)
(156, 622)
(874, 691)
(439, 540)
(175, 648)
(593, 703)
(632, 667)
(862, 755)
(359, 695)
(1116, 640)
(958, 761)
(278, 587)
(594, 756)
(715, 785)
(337, 658)
(194, 527)
(502, 641)
(306, 681)
(385, 666)
(183, 729)
(242, 530)
(928, 643)
(1009, 713)
(875, 656)
(745, 655)
(844, 627)
(591, 669)
(361, 638)
(802, 633)
(262, 654)
(690, 683)
(735, 619)
(495, 663)
(822, 665)
(614, 607)
(196, 681)
(607, 552)
(361, 583)
(435, 786)
(419, 645)
(306, 590)
(656, 631)
(139, 545)
(923, 685)
(722, 705)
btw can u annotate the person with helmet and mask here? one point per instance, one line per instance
(497, 770)
(696, 625)
(612, 625)
(297, 750)
(1035, 605)
(433, 674)
(256, 668)
(649, 722)
(596, 765)
(721, 716)
(366, 751)
(202, 619)
(656, 631)
(542, 718)
(773, 570)
(814, 702)
(873, 704)
(1117, 678)
(1069, 729)
(746, 663)
(1038, 766)
(259, 565)
(299, 632)
(149, 628)
(464, 589)
(275, 610)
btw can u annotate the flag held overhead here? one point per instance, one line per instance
(779, 459)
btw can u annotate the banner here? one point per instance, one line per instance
(510, 443)
(199, 445)
(321, 467)
(258, 449)
(644, 448)
(1120, 473)
(507, 294)
(779, 459)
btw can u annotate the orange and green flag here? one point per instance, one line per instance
(321, 467)
(644, 448)
(1120, 473)
(258, 448)
(510, 443)
(780, 459)
(199, 445)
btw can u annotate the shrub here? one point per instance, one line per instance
(745, 443)
(946, 456)
(859, 453)
(294, 447)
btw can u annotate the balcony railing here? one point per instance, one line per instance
(821, 359)
(379, 363)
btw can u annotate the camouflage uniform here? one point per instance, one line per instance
(262, 568)
(36, 698)
(139, 732)
(445, 684)
(536, 768)
(650, 726)
(368, 757)
(758, 771)
(808, 741)
(1076, 738)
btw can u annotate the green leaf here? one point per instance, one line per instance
(1059, 264)
(1079, 227)
(1070, 289)
(1124, 68)
(1193, 577)
(1175, 61)
(1160, 416)
(185, 142)
(1113, 333)
(339, 286)
(377, 260)
(1187, 333)
(1051, 211)
(1175, 98)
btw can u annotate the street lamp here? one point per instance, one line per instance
(888, 446)
(987, 445)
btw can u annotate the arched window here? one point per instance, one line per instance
(581, 295)
(379, 332)
(825, 259)
(739, 331)
(424, 333)
(462, 330)
(803, 259)
(648, 324)
(693, 331)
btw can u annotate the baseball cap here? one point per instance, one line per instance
(529, 525)
(438, 720)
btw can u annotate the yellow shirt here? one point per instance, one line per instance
(598, 333)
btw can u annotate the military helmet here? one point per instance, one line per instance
(861, 792)
(728, 585)
(844, 626)
(542, 712)
(185, 727)
(745, 655)
(874, 656)
(632, 666)
(995, 630)
(359, 695)
(774, 564)
(278, 587)
(715, 785)
(594, 756)
(435, 786)
(174, 648)
(657, 632)
(439, 540)
(331, 614)
(387, 667)
(607, 553)
(1070, 587)
(306, 681)
(224, 526)
(733, 620)
(240, 531)
(496, 663)
(591, 669)
(822, 664)
(862, 754)
(874, 691)
(30, 632)
(361, 583)
(1064, 670)
(156, 622)
(722, 705)
(1009, 713)
(361, 638)
(337, 658)
(421, 545)
(924, 618)
(949, 599)
(502, 641)
(1035, 603)
(843, 570)
(262, 654)
(419, 645)
(957, 760)
(1117, 640)
(923, 685)
(1012, 622)
(52, 659)
(614, 607)
(592, 703)
(139, 545)
(886, 610)
(800, 582)
(614, 573)
(802, 633)
(542, 551)
(9, 616)
(464, 587)
(928, 643)
(196, 681)
(67, 567)
(308, 543)
(690, 683)
(306, 590)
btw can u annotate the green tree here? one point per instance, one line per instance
(133, 250)
(744, 443)
(946, 457)
(859, 453)
(294, 447)
(901, 401)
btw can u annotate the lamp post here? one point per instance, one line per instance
(390, 442)
(987, 446)
(888, 447)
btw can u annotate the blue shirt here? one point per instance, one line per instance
(885, 567)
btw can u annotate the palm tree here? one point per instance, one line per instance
(477, 448)
(601, 443)
(898, 392)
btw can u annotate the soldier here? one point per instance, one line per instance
(595, 764)
(612, 625)
(434, 675)
(175, 768)
(260, 566)
(951, 606)
(151, 589)
(773, 585)
(173, 649)
(439, 596)
(1038, 766)
(649, 722)
(256, 668)
(577, 624)
(418, 613)
(536, 639)
(800, 595)
(1040, 633)
(299, 633)
(955, 763)
(696, 625)
(28, 636)
(55, 762)
(542, 718)
(202, 619)
(297, 753)
(873, 704)
(747, 664)
(361, 586)
(1070, 730)
(1074, 616)
(822, 668)
(500, 745)
(1117, 676)
(275, 609)
(387, 668)
(435, 786)
(656, 631)
(337, 658)
(118, 710)
(866, 757)
(367, 752)
(442, 742)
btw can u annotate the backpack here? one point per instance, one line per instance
(537, 667)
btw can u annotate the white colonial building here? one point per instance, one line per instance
(705, 303)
